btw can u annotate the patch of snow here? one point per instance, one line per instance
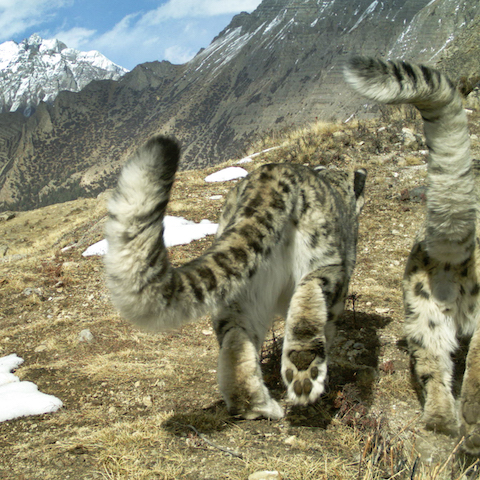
(8, 54)
(99, 248)
(245, 160)
(276, 21)
(280, 36)
(449, 39)
(178, 231)
(227, 174)
(253, 155)
(223, 50)
(370, 9)
(349, 118)
(20, 398)
(402, 40)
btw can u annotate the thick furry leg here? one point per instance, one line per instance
(470, 398)
(239, 374)
(431, 338)
(310, 326)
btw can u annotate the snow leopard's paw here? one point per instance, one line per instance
(304, 373)
(470, 426)
(270, 409)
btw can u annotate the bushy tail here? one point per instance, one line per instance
(144, 286)
(451, 201)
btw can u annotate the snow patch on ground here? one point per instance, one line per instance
(178, 231)
(227, 174)
(21, 399)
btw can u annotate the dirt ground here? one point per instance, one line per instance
(146, 406)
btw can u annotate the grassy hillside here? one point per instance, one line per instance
(146, 406)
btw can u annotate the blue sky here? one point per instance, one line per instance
(127, 32)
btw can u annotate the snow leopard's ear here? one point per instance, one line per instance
(359, 182)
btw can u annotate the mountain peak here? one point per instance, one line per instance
(37, 69)
(34, 39)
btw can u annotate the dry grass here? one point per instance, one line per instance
(143, 406)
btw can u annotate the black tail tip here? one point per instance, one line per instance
(359, 182)
(165, 153)
(168, 145)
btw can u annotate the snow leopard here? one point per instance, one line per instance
(441, 287)
(285, 245)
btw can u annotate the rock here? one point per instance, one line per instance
(417, 194)
(405, 195)
(265, 475)
(85, 336)
(409, 138)
(6, 216)
(30, 291)
(291, 440)
(40, 348)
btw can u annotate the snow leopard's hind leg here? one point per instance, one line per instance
(433, 369)
(309, 330)
(431, 337)
(240, 335)
(470, 398)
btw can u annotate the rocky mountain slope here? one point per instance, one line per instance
(37, 70)
(276, 67)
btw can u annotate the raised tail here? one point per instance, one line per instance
(451, 201)
(144, 286)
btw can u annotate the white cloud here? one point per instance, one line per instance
(174, 31)
(202, 8)
(178, 54)
(16, 16)
(76, 37)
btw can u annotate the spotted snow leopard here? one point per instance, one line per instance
(285, 245)
(441, 285)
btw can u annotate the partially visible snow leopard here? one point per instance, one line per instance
(285, 245)
(441, 284)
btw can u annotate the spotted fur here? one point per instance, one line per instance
(441, 284)
(285, 245)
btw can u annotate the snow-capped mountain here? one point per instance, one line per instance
(37, 69)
